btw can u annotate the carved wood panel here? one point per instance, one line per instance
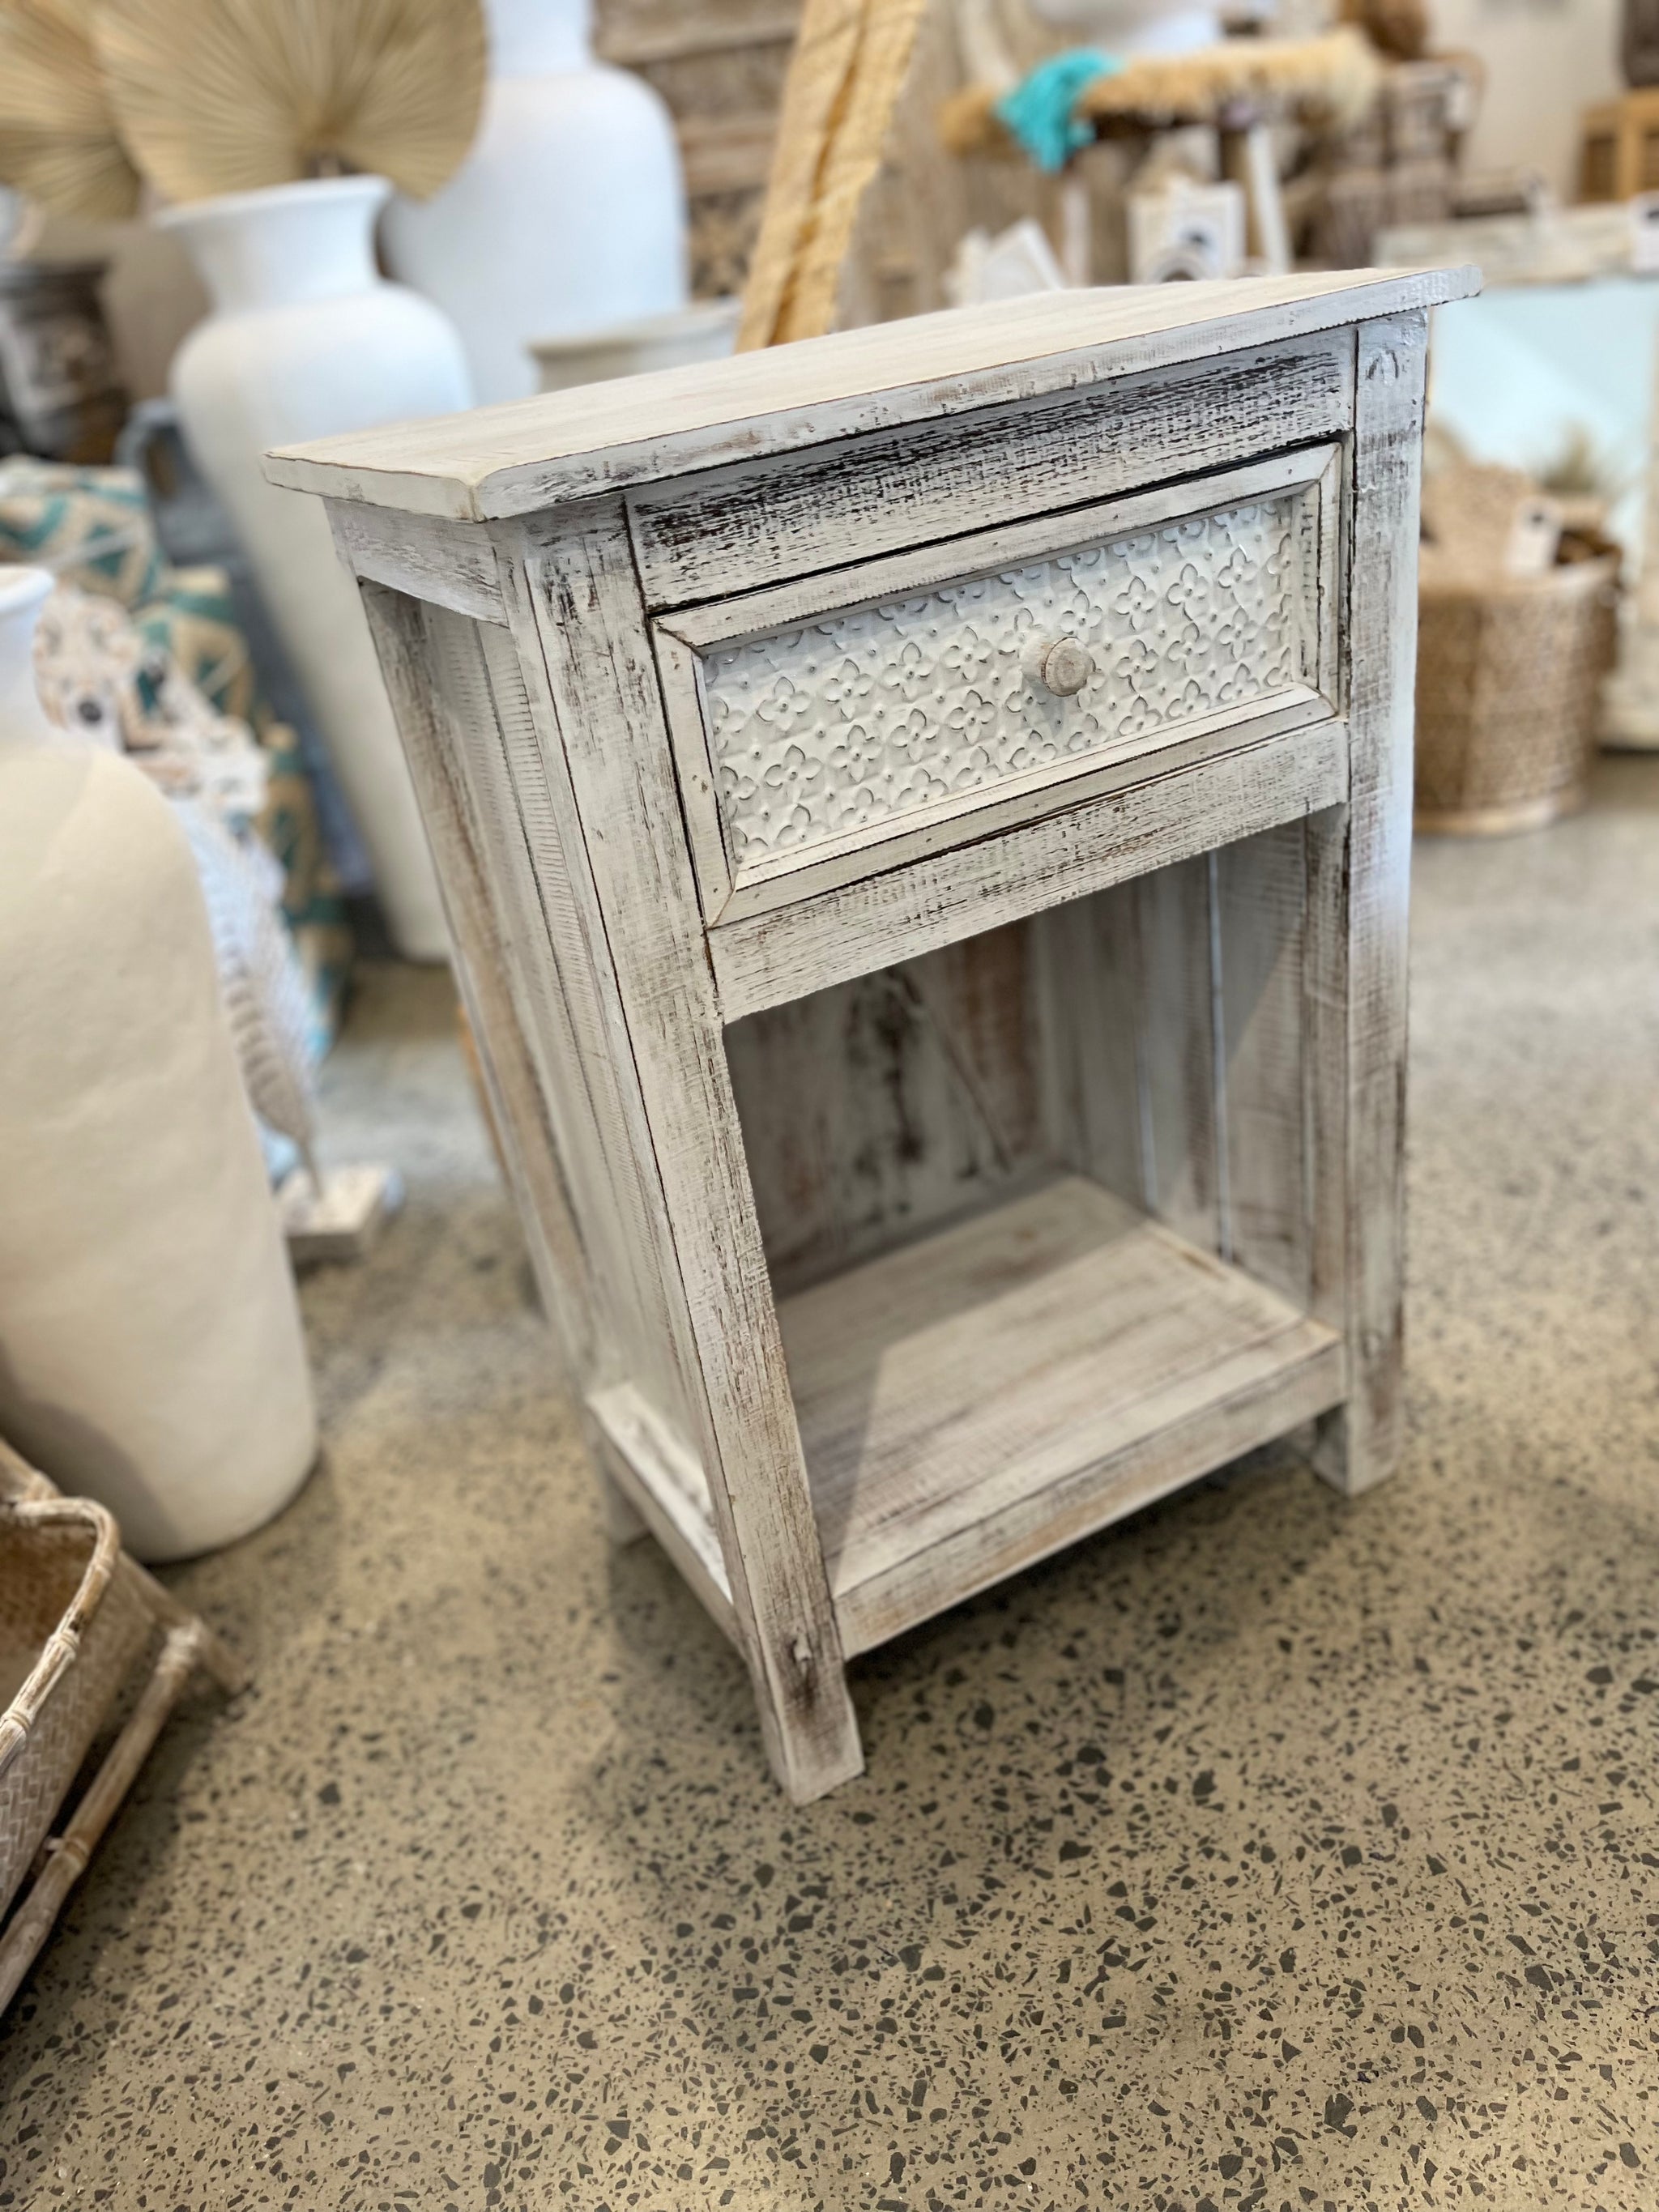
(852, 722)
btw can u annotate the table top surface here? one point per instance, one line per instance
(496, 462)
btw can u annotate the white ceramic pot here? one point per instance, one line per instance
(306, 338)
(1134, 26)
(150, 1352)
(706, 330)
(568, 213)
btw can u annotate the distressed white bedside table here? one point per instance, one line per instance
(925, 818)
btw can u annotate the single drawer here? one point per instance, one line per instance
(849, 723)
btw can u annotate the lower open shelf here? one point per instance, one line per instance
(979, 1399)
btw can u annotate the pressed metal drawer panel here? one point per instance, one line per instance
(832, 728)
(856, 727)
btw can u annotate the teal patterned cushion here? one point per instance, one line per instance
(89, 526)
(193, 619)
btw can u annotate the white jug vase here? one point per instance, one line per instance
(306, 338)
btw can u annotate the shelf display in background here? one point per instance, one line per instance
(271, 131)
(59, 393)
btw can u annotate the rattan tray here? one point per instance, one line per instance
(80, 1623)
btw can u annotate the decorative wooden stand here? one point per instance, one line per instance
(924, 817)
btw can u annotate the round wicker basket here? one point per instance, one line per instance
(1508, 670)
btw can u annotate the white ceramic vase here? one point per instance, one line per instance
(1134, 26)
(306, 338)
(568, 213)
(150, 1352)
(705, 330)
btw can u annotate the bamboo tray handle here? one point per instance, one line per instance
(64, 1858)
(63, 1647)
(21, 1483)
(29, 1499)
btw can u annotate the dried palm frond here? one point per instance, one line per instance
(230, 95)
(58, 137)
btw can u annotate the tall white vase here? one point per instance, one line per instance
(568, 213)
(150, 1352)
(306, 338)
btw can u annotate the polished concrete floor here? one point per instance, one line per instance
(1267, 1852)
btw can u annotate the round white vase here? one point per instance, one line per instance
(568, 213)
(705, 330)
(307, 339)
(150, 1351)
(1134, 26)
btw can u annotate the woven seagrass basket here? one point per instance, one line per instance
(70, 1633)
(1508, 671)
(81, 1624)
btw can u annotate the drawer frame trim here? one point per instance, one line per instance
(758, 521)
(770, 958)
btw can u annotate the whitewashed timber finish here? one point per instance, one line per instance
(527, 456)
(938, 1132)
(819, 731)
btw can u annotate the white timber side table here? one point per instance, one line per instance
(925, 820)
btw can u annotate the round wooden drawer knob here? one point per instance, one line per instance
(1062, 665)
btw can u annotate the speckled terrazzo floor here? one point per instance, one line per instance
(1267, 1852)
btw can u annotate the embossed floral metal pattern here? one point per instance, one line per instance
(842, 725)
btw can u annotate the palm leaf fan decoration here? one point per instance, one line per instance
(231, 95)
(58, 137)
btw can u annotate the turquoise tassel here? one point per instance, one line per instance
(1039, 109)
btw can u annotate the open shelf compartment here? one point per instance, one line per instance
(992, 1392)
(980, 1398)
(1039, 1211)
